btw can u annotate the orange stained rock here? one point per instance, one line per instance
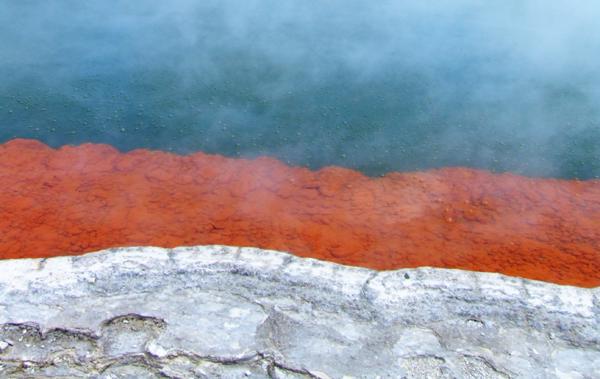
(85, 198)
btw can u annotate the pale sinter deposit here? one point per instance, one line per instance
(206, 312)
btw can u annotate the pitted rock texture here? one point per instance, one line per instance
(227, 312)
(86, 198)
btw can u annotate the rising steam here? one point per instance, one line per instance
(379, 86)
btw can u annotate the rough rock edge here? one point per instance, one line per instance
(426, 302)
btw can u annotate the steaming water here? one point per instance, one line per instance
(377, 86)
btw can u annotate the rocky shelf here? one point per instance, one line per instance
(216, 311)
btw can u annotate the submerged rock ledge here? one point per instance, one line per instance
(216, 311)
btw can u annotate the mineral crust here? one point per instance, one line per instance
(85, 198)
(228, 312)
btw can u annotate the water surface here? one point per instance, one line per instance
(378, 87)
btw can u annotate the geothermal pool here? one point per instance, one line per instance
(383, 135)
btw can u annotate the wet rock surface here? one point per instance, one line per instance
(214, 311)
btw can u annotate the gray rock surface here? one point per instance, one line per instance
(214, 311)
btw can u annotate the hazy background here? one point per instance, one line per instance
(374, 85)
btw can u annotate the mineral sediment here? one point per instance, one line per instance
(80, 199)
(227, 312)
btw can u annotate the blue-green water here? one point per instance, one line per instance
(377, 86)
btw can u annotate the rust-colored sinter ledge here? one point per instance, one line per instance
(85, 198)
